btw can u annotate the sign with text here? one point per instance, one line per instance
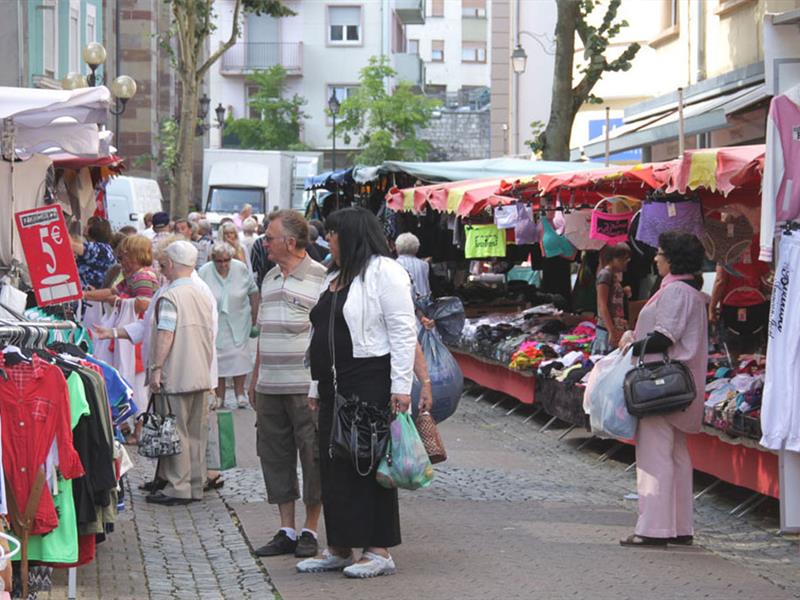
(484, 241)
(48, 252)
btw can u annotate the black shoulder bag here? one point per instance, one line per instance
(360, 431)
(658, 387)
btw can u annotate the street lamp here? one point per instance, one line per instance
(519, 59)
(220, 112)
(333, 106)
(123, 88)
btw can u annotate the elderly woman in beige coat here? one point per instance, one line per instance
(673, 321)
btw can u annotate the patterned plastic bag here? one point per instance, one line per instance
(406, 464)
(159, 433)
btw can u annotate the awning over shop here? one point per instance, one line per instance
(720, 171)
(698, 117)
(496, 168)
(329, 178)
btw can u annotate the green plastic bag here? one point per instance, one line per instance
(406, 464)
(221, 449)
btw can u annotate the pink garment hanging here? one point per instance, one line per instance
(610, 228)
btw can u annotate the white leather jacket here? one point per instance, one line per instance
(379, 313)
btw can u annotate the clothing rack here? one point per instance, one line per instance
(23, 326)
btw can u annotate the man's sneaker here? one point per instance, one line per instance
(328, 562)
(306, 546)
(377, 565)
(280, 544)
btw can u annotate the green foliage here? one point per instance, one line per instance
(596, 41)
(167, 141)
(385, 124)
(536, 143)
(281, 118)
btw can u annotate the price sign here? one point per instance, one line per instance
(48, 252)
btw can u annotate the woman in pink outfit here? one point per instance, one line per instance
(674, 321)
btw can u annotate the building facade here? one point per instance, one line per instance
(714, 53)
(455, 45)
(323, 49)
(42, 40)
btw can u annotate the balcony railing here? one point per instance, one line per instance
(247, 57)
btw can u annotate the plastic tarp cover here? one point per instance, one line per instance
(447, 381)
(476, 169)
(448, 313)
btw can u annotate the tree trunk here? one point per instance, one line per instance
(182, 190)
(562, 111)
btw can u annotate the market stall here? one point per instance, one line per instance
(539, 350)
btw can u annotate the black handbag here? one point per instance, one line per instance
(659, 387)
(159, 435)
(360, 430)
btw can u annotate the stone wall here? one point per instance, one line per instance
(459, 135)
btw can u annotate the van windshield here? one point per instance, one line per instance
(231, 200)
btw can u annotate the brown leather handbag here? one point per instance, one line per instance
(431, 439)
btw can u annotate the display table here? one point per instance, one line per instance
(739, 464)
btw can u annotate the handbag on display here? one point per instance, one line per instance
(159, 433)
(658, 387)
(431, 438)
(360, 431)
(726, 242)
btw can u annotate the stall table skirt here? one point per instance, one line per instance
(736, 464)
(495, 376)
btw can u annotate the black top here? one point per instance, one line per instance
(351, 372)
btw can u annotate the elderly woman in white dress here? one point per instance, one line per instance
(237, 304)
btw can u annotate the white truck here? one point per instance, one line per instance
(266, 179)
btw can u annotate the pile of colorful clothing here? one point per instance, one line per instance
(733, 396)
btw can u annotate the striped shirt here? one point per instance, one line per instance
(283, 317)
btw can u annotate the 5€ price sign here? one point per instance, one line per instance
(48, 252)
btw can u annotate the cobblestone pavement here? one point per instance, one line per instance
(513, 513)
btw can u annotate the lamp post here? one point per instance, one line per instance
(333, 106)
(519, 60)
(220, 112)
(123, 88)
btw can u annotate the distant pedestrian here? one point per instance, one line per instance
(285, 424)
(229, 234)
(242, 215)
(237, 304)
(259, 258)
(673, 321)
(181, 355)
(407, 246)
(374, 336)
(249, 234)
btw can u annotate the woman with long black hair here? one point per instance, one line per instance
(373, 330)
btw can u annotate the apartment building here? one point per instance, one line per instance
(455, 46)
(323, 48)
(41, 40)
(714, 51)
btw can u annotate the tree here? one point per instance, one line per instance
(573, 17)
(192, 24)
(279, 125)
(385, 123)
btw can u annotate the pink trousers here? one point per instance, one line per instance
(664, 480)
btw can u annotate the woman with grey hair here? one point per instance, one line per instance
(407, 246)
(236, 294)
(228, 233)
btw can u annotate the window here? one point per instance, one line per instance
(345, 24)
(74, 36)
(342, 90)
(437, 51)
(50, 36)
(473, 9)
(412, 47)
(473, 52)
(252, 113)
(437, 8)
(91, 21)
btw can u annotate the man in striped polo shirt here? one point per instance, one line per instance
(285, 425)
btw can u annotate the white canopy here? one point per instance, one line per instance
(55, 120)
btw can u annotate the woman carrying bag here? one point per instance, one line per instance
(366, 313)
(674, 321)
